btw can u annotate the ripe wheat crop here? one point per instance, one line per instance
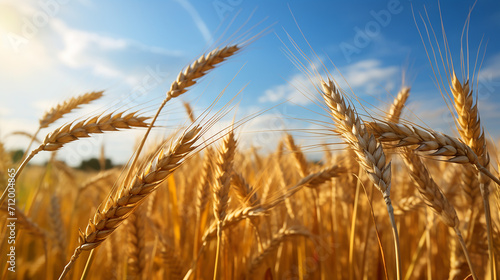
(391, 205)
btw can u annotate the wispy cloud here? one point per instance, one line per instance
(195, 16)
(295, 90)
(370, 76)
(83, 49)
(366, 77)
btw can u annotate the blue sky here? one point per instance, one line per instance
(51, 50)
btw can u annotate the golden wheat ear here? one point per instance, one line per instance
(369, 151)
(85, 128)
(62, 109)
(125, 201)
(186, 79)
(82, 129)
(67, 106)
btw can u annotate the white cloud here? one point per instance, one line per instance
(370, 76)
(492, 69)
(367, 76)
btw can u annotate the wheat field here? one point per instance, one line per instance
(397, 201)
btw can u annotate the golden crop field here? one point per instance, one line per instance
(395, 200)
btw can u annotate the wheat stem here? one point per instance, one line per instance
(464, 248)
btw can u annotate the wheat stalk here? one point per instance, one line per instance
(82, 129)
(369, 152)
(187, 78)
(223, 168)
(472, 133)
(119, 206)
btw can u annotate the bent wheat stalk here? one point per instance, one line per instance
(187, 78)
(118, 206)
(369, 152)
(82, 129)
(60, 110)
(472, 134)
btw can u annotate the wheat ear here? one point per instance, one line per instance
(187, 78)
(58, 225)
(407, 204)
(434, 197)
(300, 159)
(136, 261)
(369, 152)
(119, 206)
(189, 111)
(82, 129)
(67, 106)
(472, 133)
(231, 219)
(310, 181)
(428, 140)
(397, 106)
(223, 168)
(60, 110)
(245, 193)
(273, 244)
